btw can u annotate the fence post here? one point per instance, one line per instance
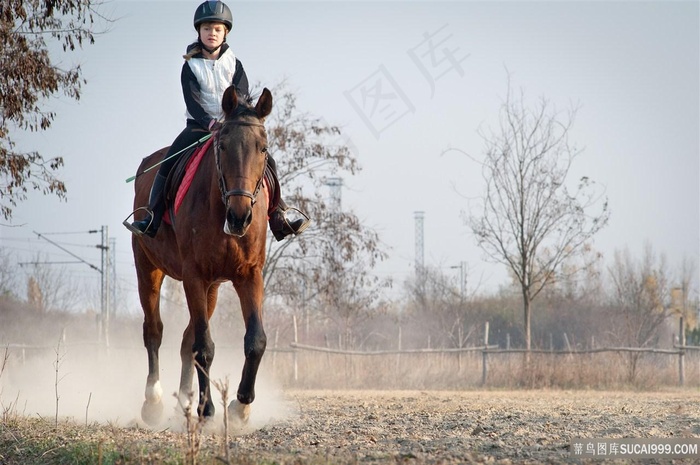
(681, 353)
(398, 356)
(484, 355)
(296, 341)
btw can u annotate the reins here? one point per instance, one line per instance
(225, 193)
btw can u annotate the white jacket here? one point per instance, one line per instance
(214, 77)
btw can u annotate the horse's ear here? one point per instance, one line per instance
(230, 100)
(264, 105)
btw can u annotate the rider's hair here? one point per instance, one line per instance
(192, 52)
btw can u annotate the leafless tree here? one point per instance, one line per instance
(8, 277)
(529, 219)
(640, 299)
(51, 288)
(328, 267)
(685, 293)
(438, 307)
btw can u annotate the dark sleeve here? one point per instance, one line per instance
(191, 91)
(240, 79)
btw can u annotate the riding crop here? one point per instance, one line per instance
(203, 139)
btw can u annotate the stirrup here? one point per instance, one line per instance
(302, 227)
(134, 230)
(287, 227)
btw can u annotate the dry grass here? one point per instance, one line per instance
(505, 371)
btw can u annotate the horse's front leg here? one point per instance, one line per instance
(254, 342)
(203, 347)
(187, 352)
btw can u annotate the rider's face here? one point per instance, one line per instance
(212, 34)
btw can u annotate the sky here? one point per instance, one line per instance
(632, 69)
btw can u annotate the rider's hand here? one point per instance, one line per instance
(214, 125)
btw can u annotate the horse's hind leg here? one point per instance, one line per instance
(187, 351)
(254, 343)
(150, 280)
(203, 347)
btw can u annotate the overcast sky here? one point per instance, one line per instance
(631, 67)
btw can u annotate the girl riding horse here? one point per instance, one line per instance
(210, 68)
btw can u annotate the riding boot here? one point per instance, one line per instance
(281, 227)
(155, 211)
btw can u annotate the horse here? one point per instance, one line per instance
(219, 235)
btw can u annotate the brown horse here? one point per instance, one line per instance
(219, 235)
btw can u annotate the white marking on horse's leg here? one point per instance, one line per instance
(185, 399)
(238, 412)
(154, 393)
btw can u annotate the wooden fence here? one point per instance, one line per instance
(491, 350)
(285, 361)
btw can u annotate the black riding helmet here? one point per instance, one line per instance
(213, 11)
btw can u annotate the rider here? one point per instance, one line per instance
(203, 86)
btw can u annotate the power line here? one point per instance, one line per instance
(47, 263)
(62, 233)
(67, 251)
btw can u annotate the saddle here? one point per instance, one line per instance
(181, 175)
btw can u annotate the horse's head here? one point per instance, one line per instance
(241, 157)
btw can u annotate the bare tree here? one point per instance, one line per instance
(685, 293)
(440, 310)
(8, 281)
(530, 220)
(330, 262)
(640, 297)
(30, 76)
(50, 288)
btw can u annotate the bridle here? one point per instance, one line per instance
(225, 193)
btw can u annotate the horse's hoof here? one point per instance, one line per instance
(206, 411)
(238, 412)
(152, 412)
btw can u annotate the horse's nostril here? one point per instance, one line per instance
(249, 217)
(230, 217)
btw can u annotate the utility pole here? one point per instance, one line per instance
(462, 278)
(420, 253)
(113, 277)
(105, 285)
(104, 288)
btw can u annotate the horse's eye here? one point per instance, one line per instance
(222, 147)
(264, 150)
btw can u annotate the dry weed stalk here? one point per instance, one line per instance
(5, 358)
(57, 366)
(87, 408)
(194, 429)
(9, 411)
(223, 388)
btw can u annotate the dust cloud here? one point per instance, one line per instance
(102, 384)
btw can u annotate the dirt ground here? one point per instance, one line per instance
(463, 427)
(374, 427)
